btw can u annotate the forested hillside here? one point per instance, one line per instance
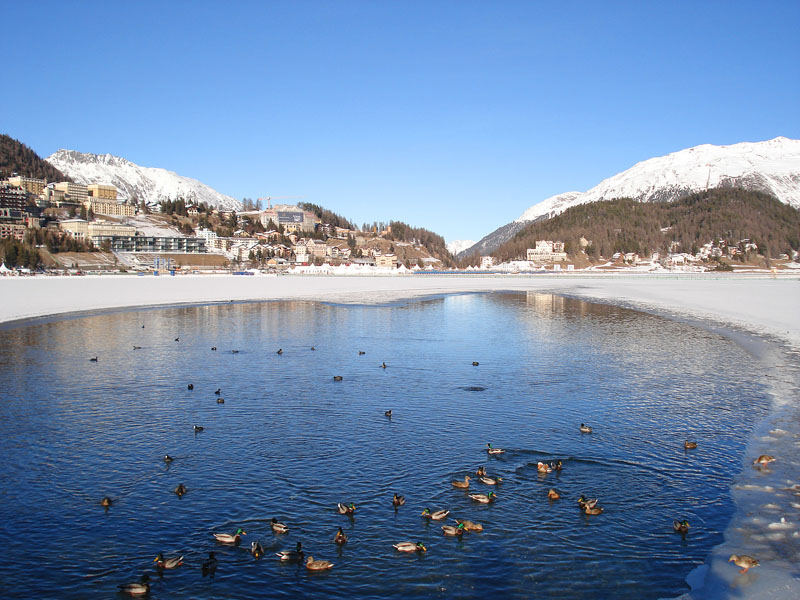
(16, 157)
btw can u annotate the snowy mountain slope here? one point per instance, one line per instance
(457, 246)
(772, 166)
(150, 184)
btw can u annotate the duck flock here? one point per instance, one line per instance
(459, 527)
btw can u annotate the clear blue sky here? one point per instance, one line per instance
(455, 116)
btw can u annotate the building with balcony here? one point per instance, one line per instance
(110, 207)
(74, 192)
(30, 184)
(101, 191)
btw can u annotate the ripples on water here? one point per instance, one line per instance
(290, 442)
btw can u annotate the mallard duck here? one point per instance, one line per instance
(461, 484)
(398, 500)
(764, 460)
(167, 563)
(340, 538)
(296, 555)
(484, 498)
(198, 428)
(337, 377)
(209, 566)
(592, 510)
(139, 588)
(437, 515)
(475, 363)
(346, 509)
(585, 428)
(383, 365)
(188, 387)
(256, 549)
(687, 445)
(469, 525)
(317, 565)
(583, 502)
(453, 530)
(492, 450)
(218, 391)
(543, 468)
(388, 413)
(491, 480)
(278, 527)
(106, 502)
(481, 472)
(280, 351)
(180, 490)
(168, 459)
(744, 561)
(410, 547)
(552, 494)
(227, 538)
(220, 400)
(681, 527)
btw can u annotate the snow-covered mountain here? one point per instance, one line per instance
(150, 184)
(772, 166)
(457, 246)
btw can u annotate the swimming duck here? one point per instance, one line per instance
(383, 365)
(227, 538)
(492, 450)
(296, 555)
(557, 465)
(218, 392)
(190, 386)
(337, 377)
(346, 509)
(453, 530)
(475, 363)
(592, 510)
(410, 547)
(106, 502)
(543, 468)
(764, 460)
(491, 480)
(209, 566)
(398, 500)
(168, 459)
(681, 527)
(280, 351)
(687, 445)
(137, 347)
(583, 502)
(198, 428)
(469, 525)
(436, 515)
(177, 339)
(167, 563)
(744, 561)
(317, 565)
(484, 498)
(180, 490)
(461, 484)
(340, 538)
(213, 348)
(585, 428)
(138, 588)
(93, 359)
(388, 413)
(256, 549)
(313, 349)
(234, 352)
(361, 353)
(278, 527)
(552, 494)
(481, 471)
(220, 400)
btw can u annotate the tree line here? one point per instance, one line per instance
(16, 157)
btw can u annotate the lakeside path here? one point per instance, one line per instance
(757, 303)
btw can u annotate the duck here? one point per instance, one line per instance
(137, 347)
(361, 353)
(228, 538)
(180, 490)
(764, 460)
(256, 549)
(209, 566)
(218, 392)
(278, 527)
(383, 365)
(317, 565)
(681, 527)
(469, 525)
(556, 466)
(490, 480)
(168, 563)
(744, 561)
(337, 377)
(475, 363)
(552, 494)
(220, 400)
(340, 538)
(543, 468)
(398, 500)
(234, 352)
(198, 428)
(583, 502)
(388, 413)
(410, 547)
(213, 348)
(168, 459)
(453, 530)
(346, 509)
(280, 351)
(481, 472)
(296, 555)
(313, 349)
(461, 484)
(592, 510)
(139, 588)
(177, 339)
(106, 502)
(437, 515)
(492, 450)
(93, 359)
(585, 428)
(484, 498)
(190, 386)
(687, 445)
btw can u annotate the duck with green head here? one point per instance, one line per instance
(227, 538)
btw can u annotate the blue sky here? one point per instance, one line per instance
(455, 116)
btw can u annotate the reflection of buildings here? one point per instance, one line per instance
(546, 303)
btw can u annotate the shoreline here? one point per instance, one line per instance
(757, 312)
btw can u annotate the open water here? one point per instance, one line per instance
(291, 442)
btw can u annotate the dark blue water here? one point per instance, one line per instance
(290, 442)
